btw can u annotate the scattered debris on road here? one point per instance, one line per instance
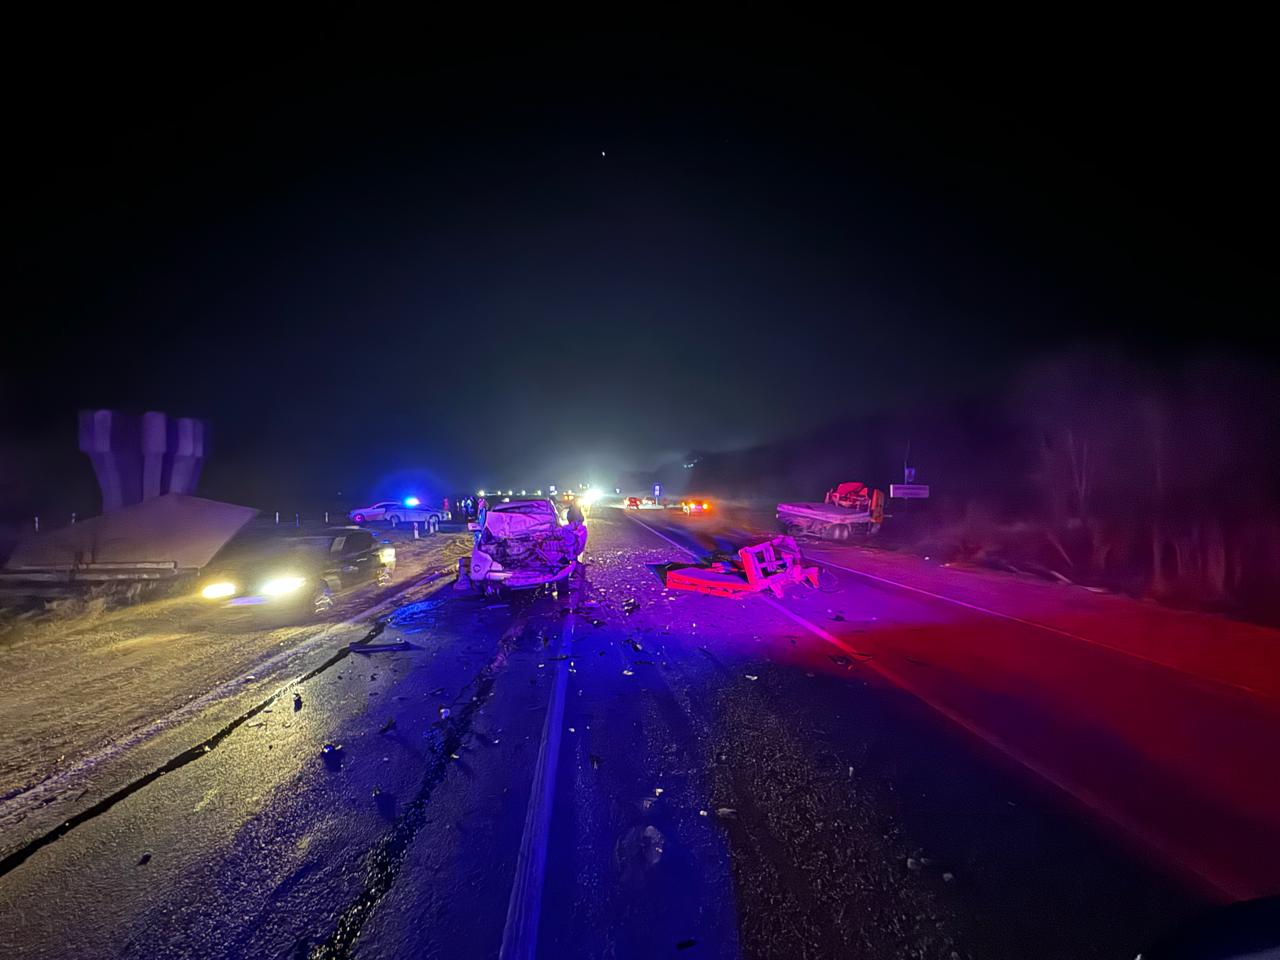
(393, 646)
(331, 754)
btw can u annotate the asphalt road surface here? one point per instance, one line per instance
(908, 762)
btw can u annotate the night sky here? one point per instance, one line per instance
(502, 261)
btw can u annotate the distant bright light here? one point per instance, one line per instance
(411, 501)
(510, 493)
(279, 586)
(590, 496)
(522, 493)
(480, 493)
(216, 591)
(538, 492)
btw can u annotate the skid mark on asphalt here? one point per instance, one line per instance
(19, 856)
(384, 861)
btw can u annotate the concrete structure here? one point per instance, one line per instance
(165, 536)
(139, 458)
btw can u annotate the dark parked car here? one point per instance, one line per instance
(299, 573)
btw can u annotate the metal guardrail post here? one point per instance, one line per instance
(37, 521)
(73, 518)
(277, 518)
(297, 520)
(326, 518)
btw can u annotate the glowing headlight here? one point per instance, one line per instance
(387, 555)
(590, 497)
(282, 585)
(216, 591)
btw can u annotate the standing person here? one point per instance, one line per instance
(445, 505)
(575, 533)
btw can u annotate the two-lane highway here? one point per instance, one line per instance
(629, 771)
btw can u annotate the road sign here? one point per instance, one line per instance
(909, 491)
(657, 490)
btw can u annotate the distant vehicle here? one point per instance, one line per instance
(298, 573)
(429, 517)
(521, 545)
(695, 506)
(401, 511)
(846, 507)
(633, 503)
(375, 511)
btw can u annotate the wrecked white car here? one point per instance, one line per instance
(522, 544)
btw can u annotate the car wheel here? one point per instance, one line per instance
(358, 518)
(394, 520)
(322, 599)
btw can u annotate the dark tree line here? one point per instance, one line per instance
(1160, 480)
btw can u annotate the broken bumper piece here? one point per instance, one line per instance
(771, 565)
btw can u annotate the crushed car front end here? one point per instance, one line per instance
(522, 545)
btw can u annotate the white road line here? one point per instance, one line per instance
(524, 909)
(1207, 876)
(1045, 627)
(19, 806)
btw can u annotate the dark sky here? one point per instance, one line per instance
(357, 257)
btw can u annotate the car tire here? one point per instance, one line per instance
(358, 518)
(321, 599)
(394, 519)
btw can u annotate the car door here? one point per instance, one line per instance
(359, 557)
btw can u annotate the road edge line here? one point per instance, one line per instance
(524, 909)
(1048, 629)
(12, 859)
(1218, 885)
